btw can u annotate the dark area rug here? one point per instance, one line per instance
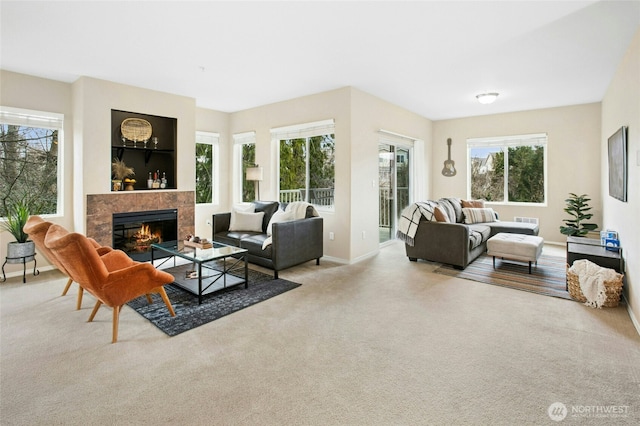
(189, 314)
(548, 278)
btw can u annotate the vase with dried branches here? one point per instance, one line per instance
(121, 172)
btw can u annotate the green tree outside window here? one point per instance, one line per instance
(28, 168)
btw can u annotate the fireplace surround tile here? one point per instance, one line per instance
(101, 207)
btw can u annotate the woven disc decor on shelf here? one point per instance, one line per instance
(136, 129)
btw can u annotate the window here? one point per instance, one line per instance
(245, 156)
(30, 145)
(307, 163)
(508, 169)
(207, 167)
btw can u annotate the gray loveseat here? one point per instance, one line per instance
(293, 241)
(455, 242)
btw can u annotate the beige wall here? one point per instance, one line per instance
(621, 107)
(93, 101)
(573, 152)
(23, 91)
(358, 117)
(333, 104)
(369, 114)
(215, 122)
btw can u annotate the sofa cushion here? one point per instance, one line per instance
(253, 244)
(473, 215)
(269, 208)
(229, 238)
(246, 221)
(513, 228)
(478, 234)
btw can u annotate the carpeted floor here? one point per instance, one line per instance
(547, 278)
(190, 314)
(383, 341)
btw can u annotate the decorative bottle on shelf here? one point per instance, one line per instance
(163, 182)
(150, 181)
(156, 180)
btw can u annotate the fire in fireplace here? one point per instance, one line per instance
(134, 232)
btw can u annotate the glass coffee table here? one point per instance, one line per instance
(208, 269)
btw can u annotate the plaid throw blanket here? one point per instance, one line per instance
(410, 218)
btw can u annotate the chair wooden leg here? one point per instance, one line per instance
(95, 310)
(116, 316)
(167, 302)
(149, 299)
(79, 301)
(66, 287)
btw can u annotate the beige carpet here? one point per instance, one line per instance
(384, 341)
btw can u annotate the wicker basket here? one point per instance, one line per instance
(136, 129)
(613, 289)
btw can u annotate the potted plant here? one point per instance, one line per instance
(22, 249)
(577, 207)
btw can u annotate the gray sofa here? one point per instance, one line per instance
(293, 242)
(457, 243)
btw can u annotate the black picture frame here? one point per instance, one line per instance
(617, 148)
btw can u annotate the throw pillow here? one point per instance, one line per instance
(243, 208)
(474, 204)
(473, 215)
(440, 215)
(447, 207)
(279, 216)
(247, 222)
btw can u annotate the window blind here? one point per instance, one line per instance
(31, 118)
(244, 138)
(509, 141)
(207, 137)
(305, 130)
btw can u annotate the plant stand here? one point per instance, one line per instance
(23, 260)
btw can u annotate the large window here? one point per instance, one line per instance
(508, 169)
(307, 163)
(206, 167)
(30, 145)
(245, 157)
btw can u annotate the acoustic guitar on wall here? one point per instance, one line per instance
(449, 168)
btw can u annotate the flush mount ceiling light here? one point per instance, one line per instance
(487, 98)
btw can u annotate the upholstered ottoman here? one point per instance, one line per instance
(525, 248)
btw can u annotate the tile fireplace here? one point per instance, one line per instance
(102, 208)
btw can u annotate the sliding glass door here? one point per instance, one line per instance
(394, 183)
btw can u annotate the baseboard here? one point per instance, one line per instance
(634, 320)
(347, 262)
(15, 274)
(365, 256)
(556, 243)
(334, 259)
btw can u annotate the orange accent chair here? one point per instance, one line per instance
(113, 279)
(37, 228)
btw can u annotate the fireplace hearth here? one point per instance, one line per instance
(134, 232)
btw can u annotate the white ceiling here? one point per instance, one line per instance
(430, 57)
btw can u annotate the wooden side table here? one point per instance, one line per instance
(24, 261)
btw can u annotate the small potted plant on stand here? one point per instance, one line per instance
(22, 249)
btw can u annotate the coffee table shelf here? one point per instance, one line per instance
(217, 268)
